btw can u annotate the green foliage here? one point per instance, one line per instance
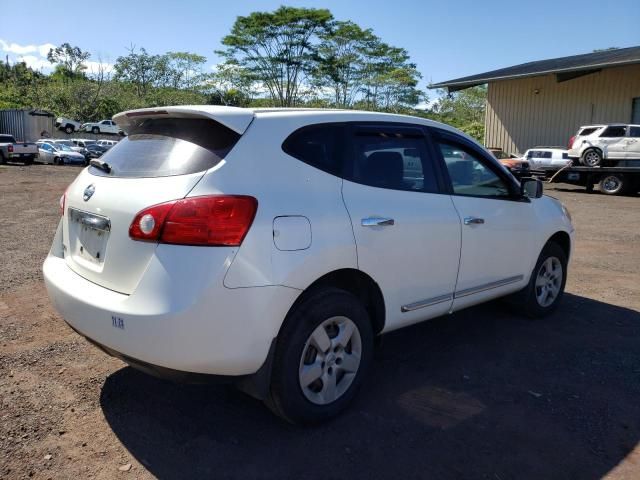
(277, 48)
(464, 109)
(69, 61)
(287, 57)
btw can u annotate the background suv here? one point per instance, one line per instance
(547, 157)
(269, 247)
(594, 144)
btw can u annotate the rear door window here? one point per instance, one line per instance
(614, 132)
(392, 157)
(318, 146)
(162, 147)
(634, 132)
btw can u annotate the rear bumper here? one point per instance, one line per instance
(168, 325)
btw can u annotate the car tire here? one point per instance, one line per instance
(591, 158)
(68, 129)
(550, 276)
(325, 332)
(614, 184)
(2, 159)
(95, 130)
(57, 161)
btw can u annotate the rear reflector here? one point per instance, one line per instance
(215, 220)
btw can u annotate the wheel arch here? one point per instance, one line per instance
(562, 239)
(593, 147)
(351, 280)
(356, 282)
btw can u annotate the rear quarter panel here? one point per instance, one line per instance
(283, 186)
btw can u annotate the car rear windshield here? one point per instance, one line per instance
(163, 147)
(7, 139)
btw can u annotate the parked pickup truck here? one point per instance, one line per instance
(68, 125)
(20, 151)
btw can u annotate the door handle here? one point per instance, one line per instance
(473, 221)
(377, 222)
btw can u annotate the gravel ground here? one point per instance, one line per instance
(480, 394)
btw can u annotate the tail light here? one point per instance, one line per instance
(571, 142)
(215, 220)
(10, 148)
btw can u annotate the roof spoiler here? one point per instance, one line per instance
(236, 119)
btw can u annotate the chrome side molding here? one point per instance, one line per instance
(488, 286)
(426, 303)
(462, 293)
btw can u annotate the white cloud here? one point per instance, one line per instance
(94, 67)
(37, 63)
(35, 56)
(17, 49)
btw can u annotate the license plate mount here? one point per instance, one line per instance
(89, 234)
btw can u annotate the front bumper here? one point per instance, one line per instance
(168, 322)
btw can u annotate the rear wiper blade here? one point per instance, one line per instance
(104, 166)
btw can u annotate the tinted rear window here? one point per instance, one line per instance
(614, 132)
(6, 139)
(317, 146)
(587, 131)
(168, 146)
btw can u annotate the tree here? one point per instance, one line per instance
(185, 69)
(141, 69)
(277, 48)
(341, 61)
(229, 84)
(463, 109)
(390, 80)
(69, 61)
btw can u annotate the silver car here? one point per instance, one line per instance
(59, 154)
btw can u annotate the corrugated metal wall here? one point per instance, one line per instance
(517, 118)
(24, 126)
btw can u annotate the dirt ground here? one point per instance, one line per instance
(480, 394)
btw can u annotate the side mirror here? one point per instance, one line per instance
(531, 187)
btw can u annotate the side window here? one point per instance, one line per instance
(586, 131)
(392, 160)
(614, 132)
(469, 174)
(634, 132)
(538, 154)
(317, 146)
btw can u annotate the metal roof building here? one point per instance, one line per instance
(544, 102)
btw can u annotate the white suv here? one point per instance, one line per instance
(269, 247)
(593, 144)
(547, 157)
(103, 126)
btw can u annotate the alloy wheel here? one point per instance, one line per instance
(548, 281)
(591, 158)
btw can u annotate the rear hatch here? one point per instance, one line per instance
(164, 156)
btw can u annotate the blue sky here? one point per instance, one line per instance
(445, 39)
